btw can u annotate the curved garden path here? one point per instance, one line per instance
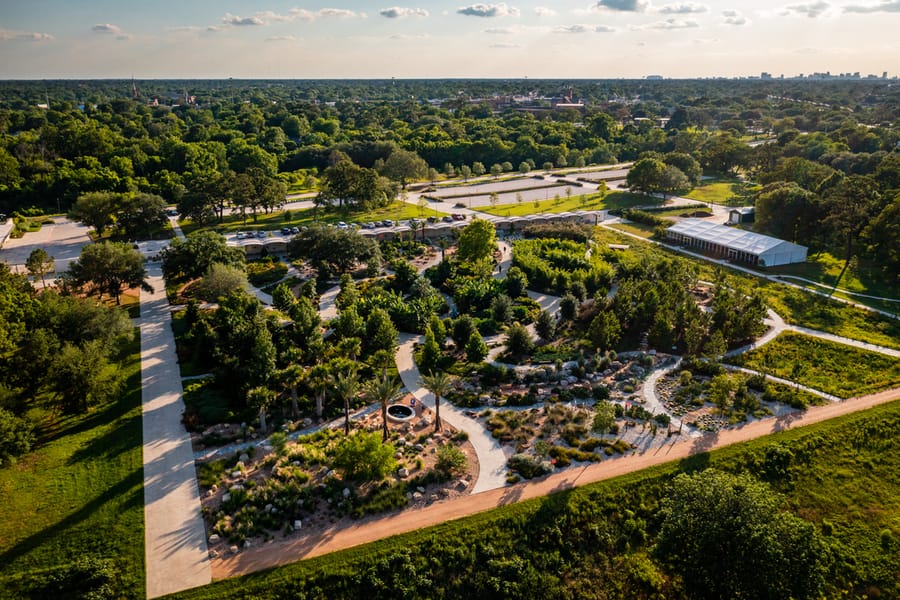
(447, 510)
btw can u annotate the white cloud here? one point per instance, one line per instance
(734, 17)
(683, 8)
(811, 10)
(236, 21)
(573, 29)
(341, 13)
(671, 23)
(397, 12)
(267, 17)
(413, 36)
(501, 30)
(581, 28)
(488, 10)
(623, 5)
(107, 28)
(883, 6)
(7, 35)
(505, 45)
(281, 38)
(543, 11)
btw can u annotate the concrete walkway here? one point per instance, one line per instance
(175, 538)
(491, 455)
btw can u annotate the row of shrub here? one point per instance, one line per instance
(553, 265)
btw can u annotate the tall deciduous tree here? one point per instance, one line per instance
(109, 268)
(725, 536)
(477, 241)
(95, 209)
(39, 263)
(404, 166)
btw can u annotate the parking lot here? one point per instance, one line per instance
(63, 241)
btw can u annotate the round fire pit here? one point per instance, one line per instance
(400, 413)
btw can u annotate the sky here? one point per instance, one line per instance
(83, 39)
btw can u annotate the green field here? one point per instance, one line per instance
(836, 369)
(397, 211)
(728, 193)
(78, 496)
(611, 200)
(842, 475)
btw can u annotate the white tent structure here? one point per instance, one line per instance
(735, 244)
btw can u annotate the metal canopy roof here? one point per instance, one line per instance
(730, 237)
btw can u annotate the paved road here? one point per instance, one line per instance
(175, 538)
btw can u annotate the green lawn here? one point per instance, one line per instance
(728, 193)
(397, 211)
(595, 541)
(861, 276)
(638, 229)
(836, 369)
(79, 495)
(612, 200)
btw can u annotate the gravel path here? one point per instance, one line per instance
(448, 510)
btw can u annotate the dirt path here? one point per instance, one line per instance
(440, 512)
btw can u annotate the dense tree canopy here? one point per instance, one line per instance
(727, 538)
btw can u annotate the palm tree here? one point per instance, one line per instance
(382, 359)
(385, 391)
(290, 377)
(261, 398)
(438, 383)
(443, 244)
(346, 385)
(317, 380)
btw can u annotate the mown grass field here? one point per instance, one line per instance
(842, 475)
(275, 220)
(611, 200)
(728, 193)
(861, 277)
(843, 371)
(78, 496)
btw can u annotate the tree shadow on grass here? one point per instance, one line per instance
(128, 490)
(699, 454)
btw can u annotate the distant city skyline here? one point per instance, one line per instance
(60, 39)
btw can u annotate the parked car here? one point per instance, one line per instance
(285, 231)
(260, 234)
(295, 230)
(388, 223)
(432, 219)
(459, 217)
(447, 219)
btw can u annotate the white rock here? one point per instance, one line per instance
(247, 544)
(346, 492)
(268, 508)
(233, 549)
(403, 472)
(417, 496)
(420, 489)
(398, 455)
(226, 497)
(214, 538)
(214, 554)
(236, 474)
(298, 524)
